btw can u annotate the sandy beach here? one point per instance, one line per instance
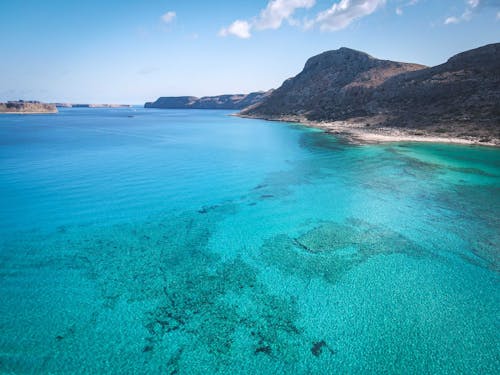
(363, 131)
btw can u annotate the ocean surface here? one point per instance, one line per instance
(194, 242)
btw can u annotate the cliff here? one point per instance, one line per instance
(238, 101)
(27, 107)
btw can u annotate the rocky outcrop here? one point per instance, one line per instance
(238, 101)
(460, 97)
(22, 106)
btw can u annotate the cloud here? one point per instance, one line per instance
(343, 13)
(466, 15)
(279, 10)
(471, 7)
(338, 16)
(168, 17)
(238, 28)
(400, 9)
(271, 17)
(451, 20)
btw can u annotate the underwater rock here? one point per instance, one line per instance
(206, 209)
(317, 348)
(260, 186)
(264, 349)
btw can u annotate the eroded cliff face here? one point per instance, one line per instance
(461, 96)
(238, 101)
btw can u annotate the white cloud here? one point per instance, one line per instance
(168, 17)
(451, 20)
(279, 10)
(343, 13)
(271, 17)
(238, 28)
(340, 15)
(471, 7)
(400, 9)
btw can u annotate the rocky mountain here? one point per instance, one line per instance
(333, 84)
(22, 106)
(238, 101)
(463, 93)
(459, 97)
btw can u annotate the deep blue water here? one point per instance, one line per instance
(193, 242)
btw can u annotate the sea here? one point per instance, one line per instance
(142, 241)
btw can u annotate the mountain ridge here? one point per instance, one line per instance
(458, 98)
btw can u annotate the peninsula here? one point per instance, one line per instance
(350, 93)
(236, 101)
(27, 107)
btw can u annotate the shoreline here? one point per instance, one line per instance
(355, 131)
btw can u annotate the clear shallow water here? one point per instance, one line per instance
(194, 242)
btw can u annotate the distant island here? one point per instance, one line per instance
(27, 107)
(352, 94)
(36, 107)
(234, 101)
(72, 105)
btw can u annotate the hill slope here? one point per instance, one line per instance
(458, 98)
(334, 84)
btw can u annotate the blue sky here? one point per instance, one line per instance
(131, 51)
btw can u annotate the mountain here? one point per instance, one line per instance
(463, 93)
(238, 101)
(460, 97)
(22, 106)
(332, 84)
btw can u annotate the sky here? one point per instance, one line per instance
(132, 51)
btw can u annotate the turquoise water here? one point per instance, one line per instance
(192, 242)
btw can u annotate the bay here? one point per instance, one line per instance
(186, 241)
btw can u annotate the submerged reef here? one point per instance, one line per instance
(331, 249)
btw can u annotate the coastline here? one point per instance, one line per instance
(356, 131)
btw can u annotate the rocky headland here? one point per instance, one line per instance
(237, 101)
(27, 107)
(350, 93)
